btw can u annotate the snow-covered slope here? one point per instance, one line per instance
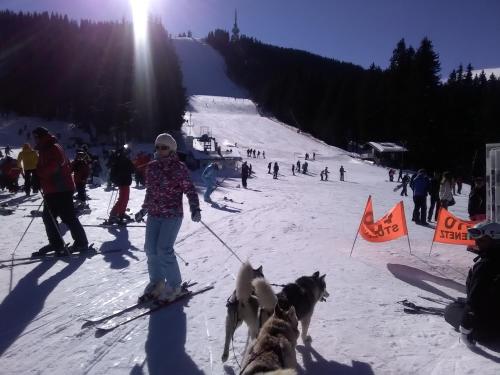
(292, 226)
(204, 70)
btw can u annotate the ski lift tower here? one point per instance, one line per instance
(493, 182)
(205, 138)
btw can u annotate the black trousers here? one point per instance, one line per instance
(82, 194)
(244, 181)
(435, 202)
(420, 208)
(61, 205)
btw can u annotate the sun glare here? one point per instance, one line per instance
(140, 14)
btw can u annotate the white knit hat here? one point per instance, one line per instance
(166, 139)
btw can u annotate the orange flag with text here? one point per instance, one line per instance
(450, 229)
(391, 226)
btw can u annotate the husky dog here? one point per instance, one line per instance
(242, 306)
(273, 352)
(303, 295)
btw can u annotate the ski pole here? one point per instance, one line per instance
(28, 227)
(216, 236)
(110, 199)
(181, 258)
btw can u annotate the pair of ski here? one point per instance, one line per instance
(110, 322)
(19, 261)
(413, 308)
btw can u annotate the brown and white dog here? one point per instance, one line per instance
(273, 352)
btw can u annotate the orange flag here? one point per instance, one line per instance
(450, 229)
(391, 226)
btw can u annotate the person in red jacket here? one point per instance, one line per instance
(57, 186)
(81, 172)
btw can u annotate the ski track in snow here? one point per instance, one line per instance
(291, 226)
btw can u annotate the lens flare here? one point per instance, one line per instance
(140, 14)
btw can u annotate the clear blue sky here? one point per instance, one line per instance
(357, 31)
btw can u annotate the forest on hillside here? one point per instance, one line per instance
(445, 125)
(83, 72)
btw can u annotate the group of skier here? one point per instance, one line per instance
(255, 153)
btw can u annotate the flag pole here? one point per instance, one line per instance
(430, 250)
(357, 232)
(406, 226)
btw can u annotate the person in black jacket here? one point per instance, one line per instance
(245, 172)
(480, 312)
(434, 194)
(477, 200)
(121, 175)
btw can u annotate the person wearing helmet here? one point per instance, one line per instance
(167, 179)
(57, 185)
(481, 310)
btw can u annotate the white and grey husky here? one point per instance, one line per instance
(254, 301)
(242, 306)
(303, 294)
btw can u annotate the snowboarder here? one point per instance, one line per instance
(479, 314)
(275, 170)
(269, 167)
(342, 171)
(245, 172)
(121, 175)
(28, 159)
(209, 177)
(167, 179)
(54, 173)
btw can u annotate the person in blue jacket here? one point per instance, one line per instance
(209, 177)
(420, 186)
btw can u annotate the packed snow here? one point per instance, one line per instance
(292, 226)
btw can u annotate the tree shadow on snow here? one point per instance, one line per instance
(165, 346)
(27, 299)
(420, 279)
(117, 260)
(316, 364)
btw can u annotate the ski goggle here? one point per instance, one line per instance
(475, 233)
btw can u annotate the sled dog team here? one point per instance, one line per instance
(272, 319)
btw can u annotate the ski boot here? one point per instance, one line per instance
(79, 248)
(169, 294)
(152, 291)
(48, 249)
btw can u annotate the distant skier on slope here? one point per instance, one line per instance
(342, 172)
(269, 166)
(209, 177)
(167, 178)
(276, 169)
(245, 173)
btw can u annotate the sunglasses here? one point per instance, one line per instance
(160, 147)
(475, 233)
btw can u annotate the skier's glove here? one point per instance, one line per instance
(466, 337)
(196, 215)
(140, 215)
